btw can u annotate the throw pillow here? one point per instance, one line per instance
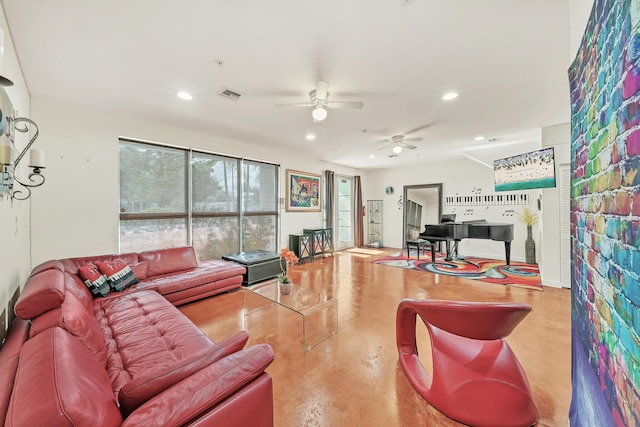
(94, 280)
(118, 274)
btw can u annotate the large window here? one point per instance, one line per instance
(172, 197)
(260, 205)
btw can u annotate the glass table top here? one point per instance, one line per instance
(300, 299)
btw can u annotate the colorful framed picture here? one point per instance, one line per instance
(303, 191)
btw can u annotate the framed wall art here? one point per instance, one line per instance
(303, 191)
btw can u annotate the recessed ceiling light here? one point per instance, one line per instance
(479, 138)
(185, 95)
(310, 136)
(449, 96)
(372, 156)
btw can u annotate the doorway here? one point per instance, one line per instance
(344, 212)
(422, 204)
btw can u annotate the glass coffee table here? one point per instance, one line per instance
(319, 312)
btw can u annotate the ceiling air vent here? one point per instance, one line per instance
(496, 139)
(229, 94)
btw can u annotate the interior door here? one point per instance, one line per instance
(344, 213)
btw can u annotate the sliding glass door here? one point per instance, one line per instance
(344, 213)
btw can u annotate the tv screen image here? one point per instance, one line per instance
(525, 171)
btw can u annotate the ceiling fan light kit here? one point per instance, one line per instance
(319, 114)
(399, 143)
(319, 98)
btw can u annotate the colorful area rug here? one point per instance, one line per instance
(487, 270)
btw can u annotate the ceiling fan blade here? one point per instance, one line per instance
(322, 89)
(409, 146)
(354, 104)
(416, 139)
(419, 128)
(383, 147)
(383, 140)
(297, 104)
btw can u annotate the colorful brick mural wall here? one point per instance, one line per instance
(605, 218)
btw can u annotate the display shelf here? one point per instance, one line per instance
(374, 222)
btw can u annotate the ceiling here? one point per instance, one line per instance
(507, 59)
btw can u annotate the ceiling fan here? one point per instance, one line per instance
(398, 143)
(320, 100)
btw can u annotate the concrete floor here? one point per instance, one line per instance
(353, 378)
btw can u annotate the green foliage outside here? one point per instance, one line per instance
(153, 180)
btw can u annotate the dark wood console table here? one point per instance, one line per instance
(300, 244)
(321, 240)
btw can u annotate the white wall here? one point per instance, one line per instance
(557, 137)
(458, 177)
(77, 213)
(14, 215)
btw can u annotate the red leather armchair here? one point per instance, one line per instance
(477, 378)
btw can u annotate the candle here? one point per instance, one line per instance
(5, 155)
(36, 158)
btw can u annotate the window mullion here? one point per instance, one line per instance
(241, 203)
(189, 201)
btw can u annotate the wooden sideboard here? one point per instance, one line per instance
(300, 244)
(321, 240)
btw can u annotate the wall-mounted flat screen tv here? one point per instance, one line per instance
(525, 171)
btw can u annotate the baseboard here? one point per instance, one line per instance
(551, 283)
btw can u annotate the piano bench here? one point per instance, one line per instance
(420, 244)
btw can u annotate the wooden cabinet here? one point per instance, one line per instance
(300, 244)
(321, 240)
(374, 222)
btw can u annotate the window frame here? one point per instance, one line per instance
(190, 213)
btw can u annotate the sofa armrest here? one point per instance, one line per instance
(203, 390)
(141, 389)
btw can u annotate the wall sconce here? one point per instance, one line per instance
(36, 162)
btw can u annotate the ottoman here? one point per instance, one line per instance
(260, 265)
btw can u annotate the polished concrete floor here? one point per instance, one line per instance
(353, 378)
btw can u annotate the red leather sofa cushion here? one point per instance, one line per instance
(59, 383)
(75, 315)
(9, 357)
(141, 389)
(184, 401)
(43, 292)
(208, 272)
(169, 260)
(142, 330)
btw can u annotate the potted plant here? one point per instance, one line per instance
(284, 280)
(529, 219)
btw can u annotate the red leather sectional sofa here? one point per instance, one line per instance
(130, 358)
